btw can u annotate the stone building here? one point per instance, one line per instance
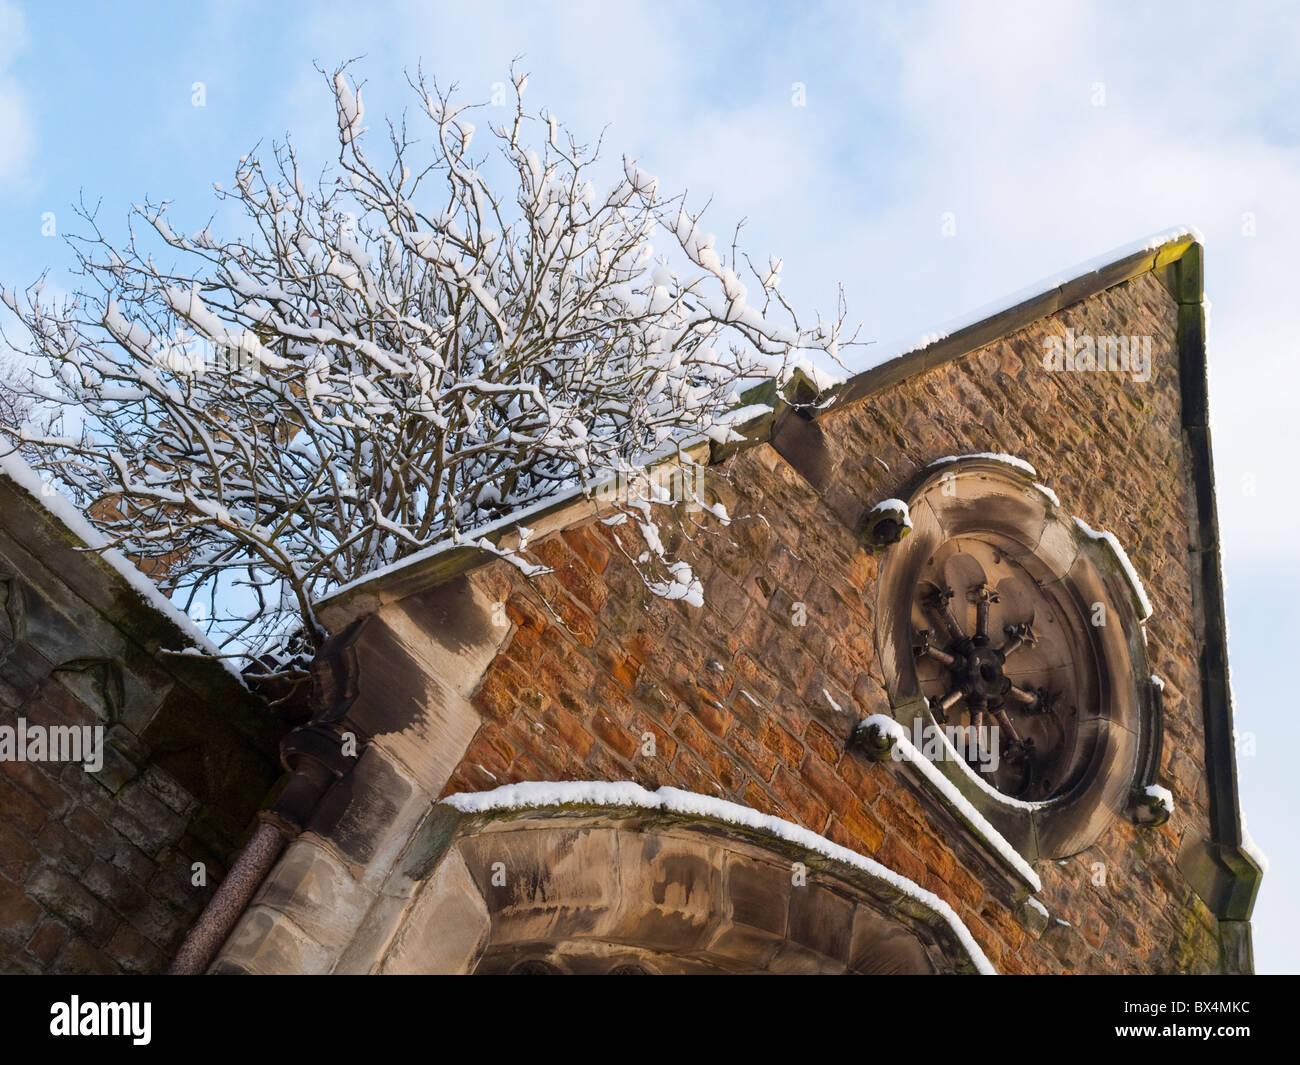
(950, 695)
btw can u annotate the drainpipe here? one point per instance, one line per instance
(312, 755)
(224, 908)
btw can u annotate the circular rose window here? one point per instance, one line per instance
(995, 653)
(1011, 644)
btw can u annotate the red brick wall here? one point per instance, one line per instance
(741, 701)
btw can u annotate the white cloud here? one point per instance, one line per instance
(16, 140)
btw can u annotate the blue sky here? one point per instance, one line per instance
(1050, 132)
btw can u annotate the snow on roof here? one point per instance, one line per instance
(674, 800)
(908, 344)
(63, 511)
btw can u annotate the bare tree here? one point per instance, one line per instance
(391, 357)
(15, 391)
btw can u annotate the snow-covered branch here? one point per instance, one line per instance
(404, 350)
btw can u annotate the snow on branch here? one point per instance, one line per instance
(420, 342)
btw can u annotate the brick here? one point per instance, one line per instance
(525, 649)
(752, 678)
(62, 895)
(165, 788)
(802, 807)
(620, 740)
(860, 775)
(893, 854)
(133, 861)
(720, 763)
(147, 836)
(499, 742)
(714, 717)
(588, 546)
(37, 783)
(1004, 923)
(761, 762)
(495, 700)
(91, 830)
(693, 774)
(18, 913)
(570, 573)
(935, 854)
(21, 810)
(897, 820)
(109, 884)
(781, 743)
(63, 848)
(822, 742)
(665, 745)
(992, 946)
(823, 781)
(133, 953)
(80, 958)
(859, 821)
(621, 667)
(17, 855)
(525, 613)
(756, 798)
(47, 941)
(966, 885)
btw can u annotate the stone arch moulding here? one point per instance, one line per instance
(613, 879)
(1001, 610)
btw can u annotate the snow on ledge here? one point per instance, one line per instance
(1052, 497)
(59, 507)
(1160, 796)
(674, 800)
(905, 751)
(1125, 564)
(992, 456)
(894, 505)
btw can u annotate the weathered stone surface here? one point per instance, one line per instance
(317, 891)
(445, 927)
(265, 941)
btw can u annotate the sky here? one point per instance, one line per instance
(930, 157)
